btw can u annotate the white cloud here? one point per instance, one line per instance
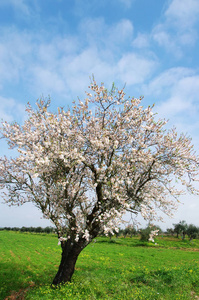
(83, 65)
(177, 30)
(175, 93)
(183, 98)
(11, 110)
(183, 13)
(165, 39)
(173, 106)
(18, 5)
(47, 80)
(127, 3)
(69, 74)
(96, 32)
(73, 71)
(141, 41)
(121, 32)
(34, 62)
(62, 65)
(134, 69)
(163, 84)
(181, 106)
(6, 106)
(15, 48)
(173, 41)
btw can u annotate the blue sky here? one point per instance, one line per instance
(51, 47)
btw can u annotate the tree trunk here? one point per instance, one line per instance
(70, 252)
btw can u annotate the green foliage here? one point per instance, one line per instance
(129, 231)
(181, 228)
(192, 231)
(120, 268)
(170, 231)
(39, 229)
(144, 234)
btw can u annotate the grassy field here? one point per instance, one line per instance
(106, 269)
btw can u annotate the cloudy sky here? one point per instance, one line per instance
(52, 47)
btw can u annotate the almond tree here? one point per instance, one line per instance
(85, 167)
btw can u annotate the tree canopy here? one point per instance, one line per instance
(86, 166)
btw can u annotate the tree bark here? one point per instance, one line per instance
(70, 252)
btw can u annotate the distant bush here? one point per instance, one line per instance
(38, 229)
(145, 233)
(192, 232)
(183, 229)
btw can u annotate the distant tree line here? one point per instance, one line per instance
(130, 231)
(183, 229)
(38, 229)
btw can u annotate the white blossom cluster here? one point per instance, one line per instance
(152, 234)
(85, 167)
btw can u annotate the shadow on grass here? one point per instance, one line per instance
(15, 276)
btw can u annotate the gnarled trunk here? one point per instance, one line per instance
(70, 252)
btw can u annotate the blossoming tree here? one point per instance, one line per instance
(85, 167)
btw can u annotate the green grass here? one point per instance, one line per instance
(123, 268)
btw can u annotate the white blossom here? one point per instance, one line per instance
(61, 239)
(86, 166)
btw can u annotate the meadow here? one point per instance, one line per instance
(120, 268)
